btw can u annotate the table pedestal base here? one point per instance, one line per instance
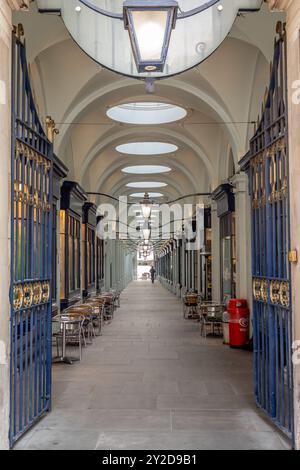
(65, 360)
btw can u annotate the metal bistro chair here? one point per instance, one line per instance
(71, 331)
(87, 312)
(190, 306)
(108, 300)
(98, 307)
(117, 298)
(211, 314)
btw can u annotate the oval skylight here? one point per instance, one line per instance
(147, 148)
(141, 195)
(146, 113)
(146, 169)
(146, 185)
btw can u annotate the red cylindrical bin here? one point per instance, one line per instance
(239, 320)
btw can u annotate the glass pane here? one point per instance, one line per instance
(227, 267)
(150, 28)
(62, 266)
(76, 264)
(71, 265)
(144, 113)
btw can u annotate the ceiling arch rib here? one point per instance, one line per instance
(113, 140)
(174, 188)
(110, 173)
(112, 177)
(123, 87)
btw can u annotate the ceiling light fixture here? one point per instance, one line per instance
(150, 24)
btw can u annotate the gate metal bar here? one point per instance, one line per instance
(31, 232)
(267, 166)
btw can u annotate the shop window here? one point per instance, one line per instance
(54, 254)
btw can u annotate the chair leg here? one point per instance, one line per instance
(57, 346)
(80, 344)
(83, 337)
(100, 324)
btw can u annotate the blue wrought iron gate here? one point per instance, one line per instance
(30, 254)
(267, 164)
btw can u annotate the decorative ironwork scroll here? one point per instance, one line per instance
(30, 254)
(267, 166)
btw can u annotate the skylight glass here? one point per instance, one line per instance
(146, 185)
(146, 169)
(147, 148)
(141, 195)
(146, 113)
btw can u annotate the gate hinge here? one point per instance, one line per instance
(293, 256)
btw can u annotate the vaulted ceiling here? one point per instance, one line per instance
(222, 96)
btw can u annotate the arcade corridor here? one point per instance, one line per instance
(149, 141)
(151, 382)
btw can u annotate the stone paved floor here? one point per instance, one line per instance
(151, 382)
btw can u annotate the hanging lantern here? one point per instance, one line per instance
(150, 24)
(147, 232)
(147, 205)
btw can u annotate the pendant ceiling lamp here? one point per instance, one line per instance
(147, 205)
(149, 38)
(150, 24)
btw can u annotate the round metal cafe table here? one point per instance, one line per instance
(67, 322)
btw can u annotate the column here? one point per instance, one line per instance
(6, 7)
(243, 237)
(216, 254)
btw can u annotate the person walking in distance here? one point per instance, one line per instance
(152, 273)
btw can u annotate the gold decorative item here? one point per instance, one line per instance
(27, 295)
(19, 31)
(18, 297)
(275, 292)
(37, 293)
(285, 294)
(45, 291)
(293, 256)
(257, 289)
(51, 129)
(264, 290)
(36, 199)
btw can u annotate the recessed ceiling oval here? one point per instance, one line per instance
(147, 148)
(146, 185)
(146, 113)
(146, 169)
(141, 195)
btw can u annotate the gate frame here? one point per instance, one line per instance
(245, 165)
(19, 47)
